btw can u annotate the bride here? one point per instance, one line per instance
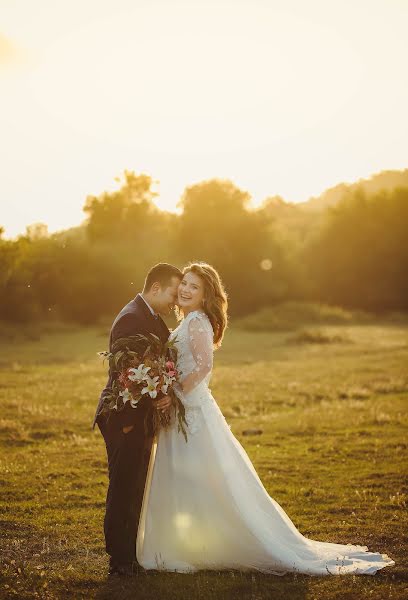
(204, 505)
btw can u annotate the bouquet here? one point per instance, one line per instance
(144, 365)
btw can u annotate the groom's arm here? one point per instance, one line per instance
(131, 324)
(126, 326)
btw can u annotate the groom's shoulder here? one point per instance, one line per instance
(130, 312)
(131, 307)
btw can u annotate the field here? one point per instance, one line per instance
(332, 406)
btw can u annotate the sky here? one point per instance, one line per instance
(280, 96)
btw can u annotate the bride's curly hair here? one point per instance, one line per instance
(215, 301)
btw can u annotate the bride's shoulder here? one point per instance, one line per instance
(195, 314)
(198, 318)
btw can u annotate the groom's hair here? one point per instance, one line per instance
(161, 273)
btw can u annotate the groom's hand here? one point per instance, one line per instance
(127, 429)
(162, 404)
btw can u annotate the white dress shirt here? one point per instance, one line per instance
(149, 307)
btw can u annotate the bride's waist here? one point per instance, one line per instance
(198, 396)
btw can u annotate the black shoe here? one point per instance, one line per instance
(138, 569)
(122, 570)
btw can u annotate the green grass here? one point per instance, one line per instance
(333, 453)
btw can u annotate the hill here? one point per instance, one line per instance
(387, 180)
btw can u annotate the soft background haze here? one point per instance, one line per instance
(282, 97)
(273, 138)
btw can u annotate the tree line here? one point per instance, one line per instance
(353, 254)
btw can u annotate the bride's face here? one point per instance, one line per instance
(191, 292)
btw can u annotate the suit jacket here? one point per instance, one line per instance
(134, 318)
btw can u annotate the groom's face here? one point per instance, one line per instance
(166, 297)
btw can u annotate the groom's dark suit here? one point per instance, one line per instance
(128, 453)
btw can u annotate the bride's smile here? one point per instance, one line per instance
(190, 293)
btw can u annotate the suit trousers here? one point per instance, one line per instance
(128, 461)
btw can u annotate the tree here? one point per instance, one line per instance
(360, 258)
(122, 214)
(37, 231)
(217, 226)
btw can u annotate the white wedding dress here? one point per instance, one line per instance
(204, 505)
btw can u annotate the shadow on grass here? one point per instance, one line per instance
(204, 585)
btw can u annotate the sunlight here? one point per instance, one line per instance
(282, 102)
(183, 521)
(196, 536)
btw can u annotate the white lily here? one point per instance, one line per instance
(134, 403)
(150, 388)
(138, 374)
(164, 388)
(126, 395)
(168, 380)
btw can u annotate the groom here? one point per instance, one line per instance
(128, 446)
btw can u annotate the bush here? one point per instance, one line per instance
(316, 336)
(292, 315)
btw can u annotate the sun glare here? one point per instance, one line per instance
(279, 100)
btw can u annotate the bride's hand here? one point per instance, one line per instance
(162, 404)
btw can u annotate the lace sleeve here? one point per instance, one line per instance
(200, 339)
